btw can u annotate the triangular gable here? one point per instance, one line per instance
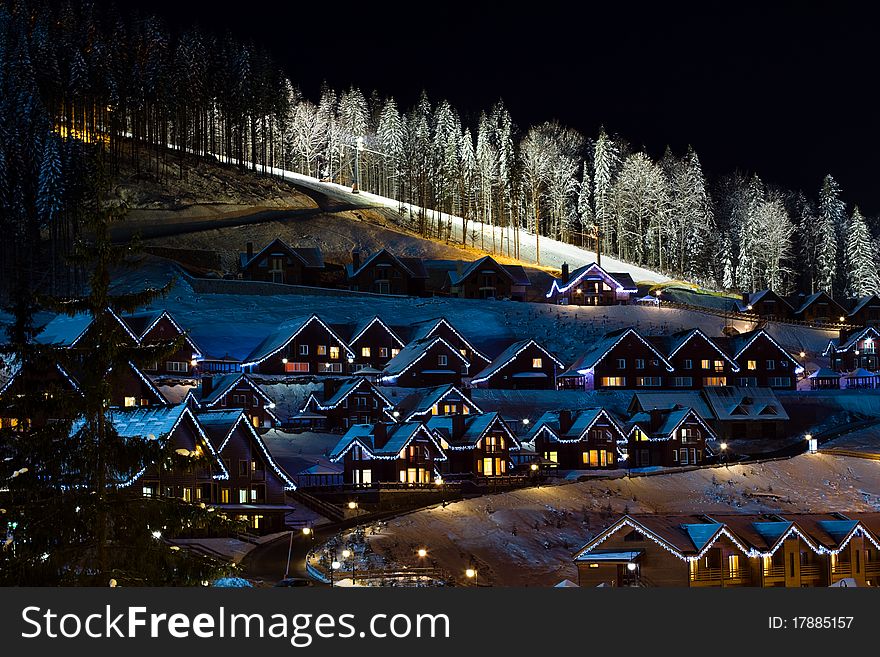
(697, 332)
(218, 395)
(449, 389)
(150, 385)
(620, 339)
(869, 333)
(508, 355)
(370, 259)
(442, 321)
(280, 244)
(255, 437)
(258, 355)
(337, 399)
(758, 334)
(416, 354)
(474, 266)
(197, 353)
(383, 325)
(562, 288)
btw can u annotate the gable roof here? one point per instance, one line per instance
(143, 322)
(756, 297)
(867, 333)
(508, 355)
(341, 394)
(413, 353)
(603, 347)
(582, 420)
(399, 436)
(222, 385)
(661, 424)
(474, 427)
(515, 273)
(285, 334)
(618, 280)
(422, 400)
(415, 267)
(678, 340)
(362, 327)
(737, 344)
(802, 303)
(426, 328)
(645, 400)
(731, 403)
(310, 257)
(68, 330)
(219, 426)
(862, 302)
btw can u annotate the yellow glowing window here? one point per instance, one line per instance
(334, 353)
(365, 352)
(706, 364)
(322, 350)
(435, 410)
(613, 381)
(130, 401)
(536, 363)
(752, 365)
(719, 365)
(394, 352)
(224, 496)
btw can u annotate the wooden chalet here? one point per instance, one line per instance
(486, 279)
(620, 359)
(134, 388)
(591, 285)
(697, 360)
(477, 445)
(854, 350)
(157, 327)
(761, 360)
(278, 262)
(343, 404)
(426, 363)
(385, 273)
(255, 489)
(817, 308)
(766, 304)
(772, 550)
(524, 365)
(422, 404)
(865, 311)
(238, 391)
(442, 327)
(388, 453)
(54, 382)
(583, 439)
(179, 429)
(373, 343)
(667, 437)
(301, 346)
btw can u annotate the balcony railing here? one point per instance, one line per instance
(774, 571)
(810, 570)
(841, 569)
(872, 568)
(719, 574)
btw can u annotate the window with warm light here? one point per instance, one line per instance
(719, 365)
(752, 365)
(613, 381)
(394, 352)
(224, 496)
(365, 352)
(130, 401)
(537, 363)
(706, 364)
(334, 353)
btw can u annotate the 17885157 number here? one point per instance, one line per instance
(810, 622)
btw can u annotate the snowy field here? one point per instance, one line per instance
(235, 324)
(526, 537)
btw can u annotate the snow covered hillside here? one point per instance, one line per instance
(526, 537)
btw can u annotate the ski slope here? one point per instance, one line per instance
(553, 252)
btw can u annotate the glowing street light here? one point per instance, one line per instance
(284, 361)
(812, 443)
(631, 566)
(346, 553)
(470, 573)
(422, 553)
(336, 565)
(534, 467)
(352, 505)
(306, 531)
(526, 421)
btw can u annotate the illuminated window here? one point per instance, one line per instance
(711, 381)
(296, 367)
(613, 381)
(322, 350)
(706, 364)
(383, 352)
(334, 353)
(224, 496)
(130, 401)
(719, 365)
(752, 365)
(187, 494)
(394, 352)
(365, 352)
(242, 496)
(648, 381)
(463, 352)
(465, 410)
(536, 363)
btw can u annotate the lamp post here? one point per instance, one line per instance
(812, 443)
(334, 566)
(471, 573)
(723, 452)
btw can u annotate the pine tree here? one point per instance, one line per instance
(859, 256)
(832, 217)
(74, 520)
(605, 161)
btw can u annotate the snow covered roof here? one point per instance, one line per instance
(801, 303)
(465, 431)
(429, 327)
(285, 334)
(342, 392)
(413, 353)
(660, 424)
(581, 421)
(508, 355)
(741, 404)
(862, 302)
(397, 438)
(825, 373)
(645, 400)
(515, 273)
(67, 330)
(602, 347)
(735, 345)
(310, 257)
(860, 373)
(422, 400)
(223, 384)
(755, 297)
(618, 280)
(361, 327)
(143, 322)
(415, 267)
(869, 333)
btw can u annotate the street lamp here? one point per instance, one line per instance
(471, 573)
(284, 361)
(631, 566)
(346, 553)
(724, 452)
(306, 531)
(534, 467)
(526, 421)
(812, 443)
(352, 505)
(422, 552)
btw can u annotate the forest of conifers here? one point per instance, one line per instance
(84, 87)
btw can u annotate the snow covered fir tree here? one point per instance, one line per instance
(246, 315)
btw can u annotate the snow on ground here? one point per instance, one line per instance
(527, 537)
(236, 323)
(552, 252)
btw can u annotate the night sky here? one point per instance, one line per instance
(785, 91)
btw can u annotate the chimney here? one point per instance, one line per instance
(457, 426)
(250, 251)
(565, 421)
(355, 259)
(380, 435)
(330, 388)
(207, 385)
(565, 273)
(746, 296)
